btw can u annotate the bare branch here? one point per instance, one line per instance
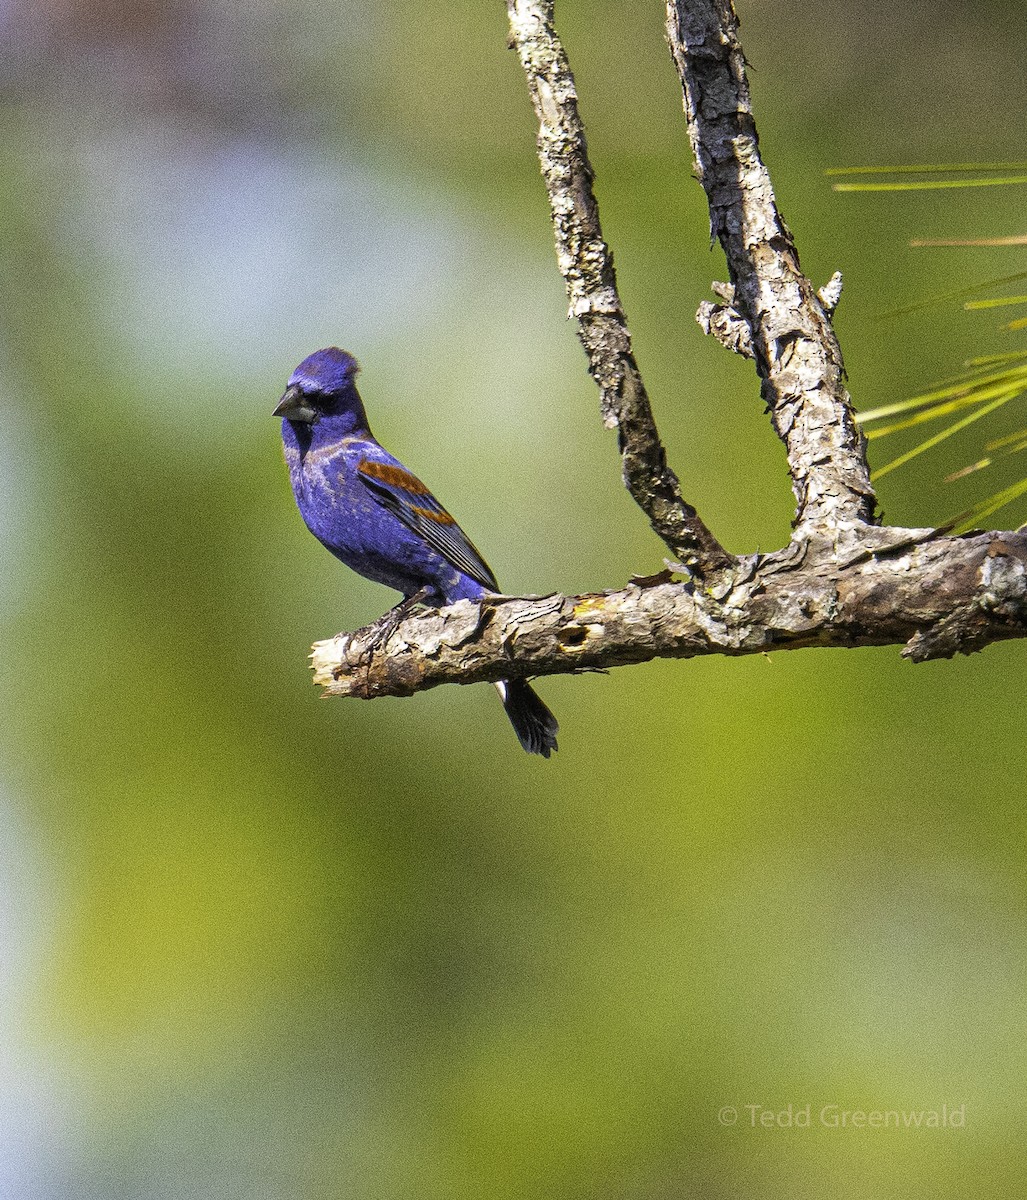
(587, 267)
(938, 595)
(842, 581)
(797, 354)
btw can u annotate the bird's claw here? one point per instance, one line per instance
(386, 625)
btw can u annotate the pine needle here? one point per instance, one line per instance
(931, 442)
(1008, 440)
(927, 168)
(927, 185)
(963, 386)
(995, 302)
(992, 504)
(947, 296)
(1019, 239)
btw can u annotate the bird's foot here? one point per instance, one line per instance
(387, 624)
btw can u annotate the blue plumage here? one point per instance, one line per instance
(364, 506)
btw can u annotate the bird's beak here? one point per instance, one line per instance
(294, 406)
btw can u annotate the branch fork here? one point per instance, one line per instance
(843, 580)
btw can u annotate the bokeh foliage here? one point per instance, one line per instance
(283, 948)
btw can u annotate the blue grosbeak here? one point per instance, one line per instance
(367, 509)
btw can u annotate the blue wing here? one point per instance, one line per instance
(407, 498)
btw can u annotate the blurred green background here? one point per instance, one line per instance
(255, 945)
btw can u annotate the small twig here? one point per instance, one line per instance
(727, 325)
(796, 352)
(831, 293)
(587, 267)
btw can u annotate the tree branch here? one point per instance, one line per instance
(938, 595)
(842, 581)
(791, 336)
(586, 264)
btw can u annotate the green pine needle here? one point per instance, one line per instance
(1009, 440)
(974, 516)
(926, 185)
(989, 360)
(931, 442)
(943, 410)
(947, 296)
(927, 168)
(965, 387)
(989, 381)
(995, 302)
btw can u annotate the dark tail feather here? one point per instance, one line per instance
(533, 723)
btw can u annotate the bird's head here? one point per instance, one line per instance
(322, 386)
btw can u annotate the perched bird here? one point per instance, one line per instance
(367, 509)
